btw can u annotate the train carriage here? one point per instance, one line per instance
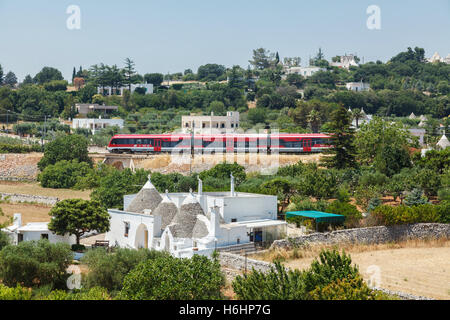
(220, 143)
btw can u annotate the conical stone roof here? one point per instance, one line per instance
(167, 210)
(200, 229)
(147, 199)
(444, 143)
(186, 218)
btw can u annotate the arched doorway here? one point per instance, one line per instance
(141, 237)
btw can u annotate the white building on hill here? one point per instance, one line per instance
(345, 62)
(185, 224)
(210, 124)
(358, 86)
(304, 71)
(96, 124)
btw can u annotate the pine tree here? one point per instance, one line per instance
(342, 154)
(1, 75)
(129, 72)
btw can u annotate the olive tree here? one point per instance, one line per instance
(78, 217)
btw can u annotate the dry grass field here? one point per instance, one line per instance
(33, 188)
(34, 212)
(420, 268)
(30, 212)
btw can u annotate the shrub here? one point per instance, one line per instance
(332, 276)
(415, 197)
(351, 213)
(169, 278)
(66, 147)
(4, 239)
(346, 289)
(387, 215)
(78, 248)
(373, 204)
(95, 294)
(17, 293)
(35, 263)
(17, 148)
(109, 270)
(444, 211)
(277, 284)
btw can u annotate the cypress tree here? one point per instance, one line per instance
(342, 154)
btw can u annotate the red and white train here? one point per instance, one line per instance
(219, 143)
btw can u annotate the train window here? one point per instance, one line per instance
(139, 141)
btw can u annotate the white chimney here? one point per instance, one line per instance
(215, 221)
(17, 220)
(233, 194)
(200, 187)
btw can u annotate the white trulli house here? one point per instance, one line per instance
(185, 224)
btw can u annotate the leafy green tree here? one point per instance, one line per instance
(262, 59)
(169, 278)
(78, 217)
(67, 147)
(351, 213)
(35, 263)
(63, 174)
(1, 75)
(154, 78)
(257, 115)
(218, 108)
(224, 170)
(115, 184)
(211, 72)
(47, 74)
(343, 153)
(10, 79)
(56, 85)
(385, 144)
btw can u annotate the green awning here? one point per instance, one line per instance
(318, 216)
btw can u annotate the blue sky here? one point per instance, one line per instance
(173, 35)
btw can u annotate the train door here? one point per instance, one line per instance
(307, 145)
(157, 147)
(230, 144)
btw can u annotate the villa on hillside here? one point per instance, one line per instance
(190, 223)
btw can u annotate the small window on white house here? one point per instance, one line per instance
(127, 229)
(44, 236)
(233, 220)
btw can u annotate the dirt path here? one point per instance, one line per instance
(418, 271)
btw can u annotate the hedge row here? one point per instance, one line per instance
(17, 148)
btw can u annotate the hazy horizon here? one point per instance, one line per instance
(171, 36)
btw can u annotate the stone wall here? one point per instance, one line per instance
(19, 167)
(27, 198)
(237, 262)
(421, 231)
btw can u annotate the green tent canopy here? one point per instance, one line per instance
(317, 216)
